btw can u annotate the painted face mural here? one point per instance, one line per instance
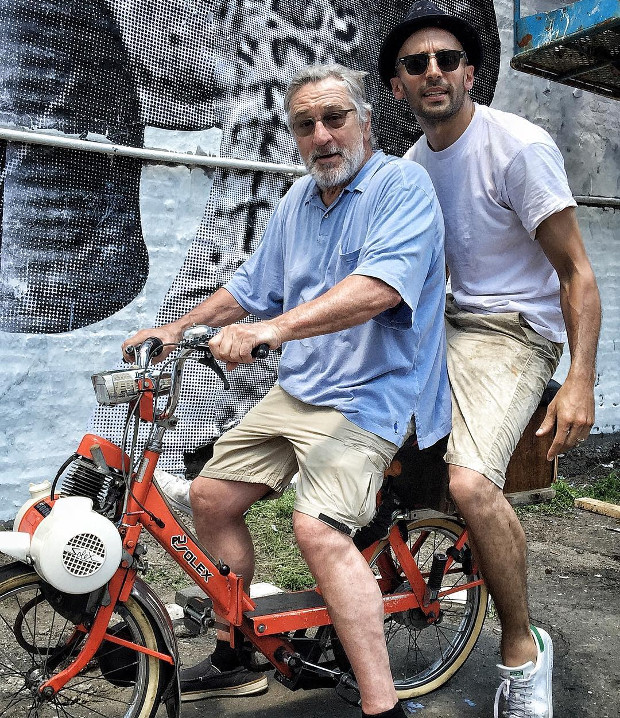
(75, 226)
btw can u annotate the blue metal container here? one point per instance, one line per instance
(577, 45)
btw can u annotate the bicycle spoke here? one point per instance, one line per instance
(422, 652)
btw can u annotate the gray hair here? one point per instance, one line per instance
(353, 80)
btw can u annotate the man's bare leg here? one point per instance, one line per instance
(499, 545)
(355, 607)
(218, 508)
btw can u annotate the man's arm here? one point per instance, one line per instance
(354, 300)
(220, 309)
(572, 410)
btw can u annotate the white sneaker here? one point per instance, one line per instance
(526, 689)
(176, 490)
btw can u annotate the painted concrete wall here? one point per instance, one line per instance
(587, 130)
(46, 400)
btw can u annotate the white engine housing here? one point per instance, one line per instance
(74, 548)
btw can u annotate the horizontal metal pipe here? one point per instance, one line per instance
(591, 201)
(184, 158)
(145, 153)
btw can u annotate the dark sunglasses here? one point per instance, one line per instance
(447, 61)
(335, 119)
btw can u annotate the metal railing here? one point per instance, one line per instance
(146, 154)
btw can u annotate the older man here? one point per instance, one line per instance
(349, 280)
(521, 282)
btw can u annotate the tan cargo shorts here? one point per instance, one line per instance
(498, 368)
(340, 465)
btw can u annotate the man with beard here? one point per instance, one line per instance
(349, 280)
(521, 282)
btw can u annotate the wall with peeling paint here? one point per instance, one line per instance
(586, 128)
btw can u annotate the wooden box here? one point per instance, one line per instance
(529, 475)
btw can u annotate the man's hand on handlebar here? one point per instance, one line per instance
(167, 334)
(234, 343)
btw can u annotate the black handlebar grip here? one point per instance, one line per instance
(261, 351)
(156, 346)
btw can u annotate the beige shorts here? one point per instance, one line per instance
(498, 368)
(340, 465)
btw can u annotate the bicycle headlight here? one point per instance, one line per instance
(121, 386)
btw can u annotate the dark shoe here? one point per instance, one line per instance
(206, 681)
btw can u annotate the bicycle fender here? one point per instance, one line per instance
(151, 604)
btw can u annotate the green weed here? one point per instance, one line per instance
(605, 488)
(278, 559)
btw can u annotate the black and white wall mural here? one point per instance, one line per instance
(79, 230)
(93, 247)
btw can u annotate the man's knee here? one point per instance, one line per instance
(470, 488)
(221, 500)
(314, 536)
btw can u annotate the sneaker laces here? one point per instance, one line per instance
(517, 693)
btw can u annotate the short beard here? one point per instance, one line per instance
(438, 115)
(332, 177)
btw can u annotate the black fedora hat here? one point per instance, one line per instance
(425, 13)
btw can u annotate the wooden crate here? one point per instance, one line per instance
(529, 476)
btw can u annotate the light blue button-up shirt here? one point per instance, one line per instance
(386, 224)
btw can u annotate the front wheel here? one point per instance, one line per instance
(424, 656)
(38, 639)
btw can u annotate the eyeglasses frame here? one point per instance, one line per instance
(322, 120)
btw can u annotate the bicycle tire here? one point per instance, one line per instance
(422, 656)
(117, 682)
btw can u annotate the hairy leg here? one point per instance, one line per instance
(218, 508)
(499, 545)
(355, 607)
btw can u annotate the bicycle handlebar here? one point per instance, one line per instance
(261, 351)
(195, 339)
(153, 346)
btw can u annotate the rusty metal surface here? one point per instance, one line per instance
(577, 45)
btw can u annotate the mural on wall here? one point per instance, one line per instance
(72, 229)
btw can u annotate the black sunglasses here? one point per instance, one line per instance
(335, 119)
(447, 61)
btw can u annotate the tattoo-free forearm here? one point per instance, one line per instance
(354, 300)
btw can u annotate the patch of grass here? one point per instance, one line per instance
(605, 488)
(278, 559)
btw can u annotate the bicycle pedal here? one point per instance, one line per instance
(197, 610)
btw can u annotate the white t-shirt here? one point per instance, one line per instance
(496, 184)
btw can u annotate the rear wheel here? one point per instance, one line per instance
(37, 641)
(424, 656)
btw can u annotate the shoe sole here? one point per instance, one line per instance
(548, 647)
(247, 689)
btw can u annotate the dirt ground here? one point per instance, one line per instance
(574, 577)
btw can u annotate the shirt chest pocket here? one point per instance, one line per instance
(346, 263)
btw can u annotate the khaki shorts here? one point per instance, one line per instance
(340, 465)
(498, 368)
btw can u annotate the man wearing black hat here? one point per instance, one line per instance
(521, 285)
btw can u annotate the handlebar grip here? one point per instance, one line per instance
(156, 346)
(261, 351)
(151, 347)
